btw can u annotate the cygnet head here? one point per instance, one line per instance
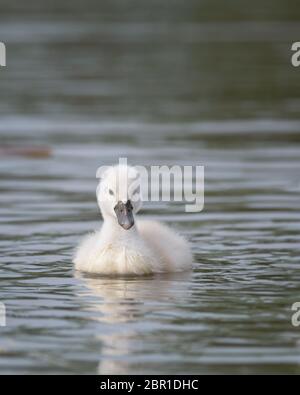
(118, 194)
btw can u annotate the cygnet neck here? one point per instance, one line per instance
(113, 231)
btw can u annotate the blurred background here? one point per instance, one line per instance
(159, 82)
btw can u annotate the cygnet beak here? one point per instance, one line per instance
(124, 214)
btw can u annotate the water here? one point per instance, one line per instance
(174, 84)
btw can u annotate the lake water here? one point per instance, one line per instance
(159, 84)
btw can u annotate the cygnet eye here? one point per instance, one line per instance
(111, 192)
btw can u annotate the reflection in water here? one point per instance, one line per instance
(126, 305)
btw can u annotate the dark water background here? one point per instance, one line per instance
(173, 82)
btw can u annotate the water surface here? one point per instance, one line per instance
(164, 85)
